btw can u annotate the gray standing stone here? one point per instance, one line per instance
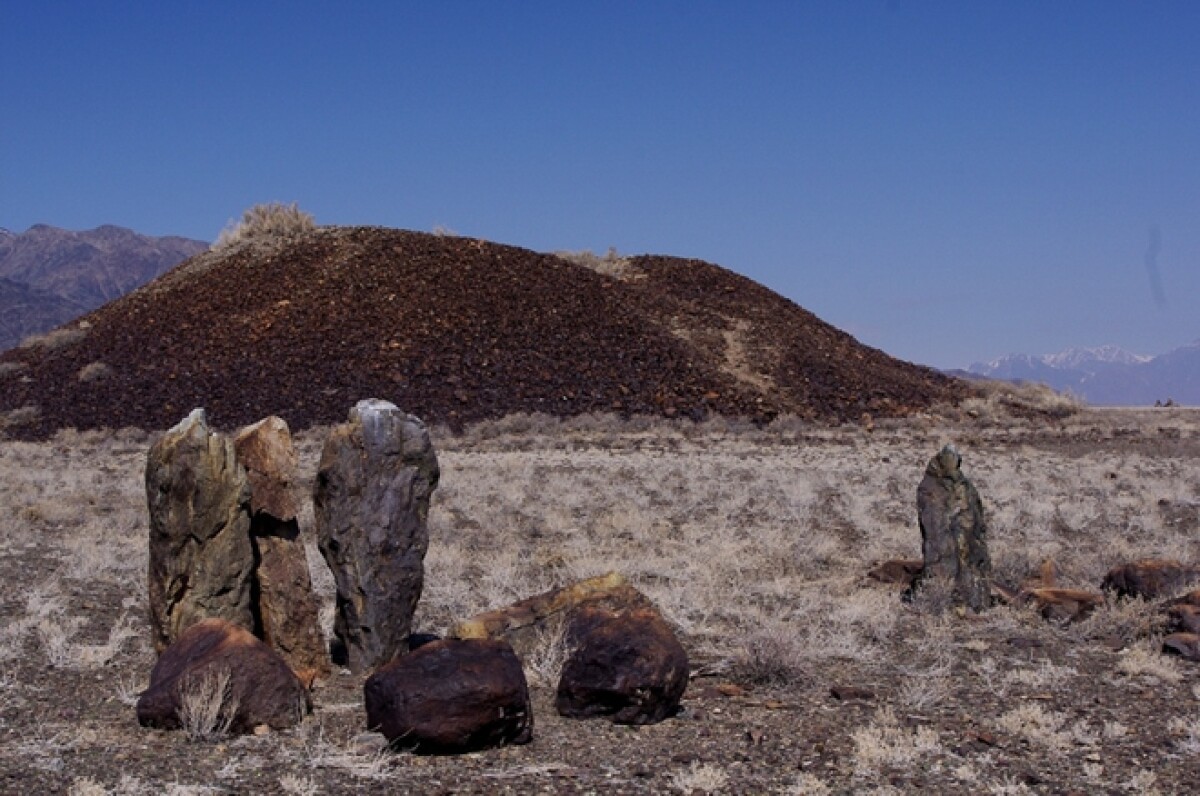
(201, 559)
(285, 607)
(376, 476)
(953, 531)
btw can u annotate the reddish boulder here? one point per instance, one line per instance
(1149, 578)
(1185, 645)
(257, 686)
(451, 696)
(1184, 617)
(628, 667)
(1063, 605)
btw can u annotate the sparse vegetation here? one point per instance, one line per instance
(609, 264)
(268, 223)
(94, 371)
(753, 541)
(57, 338)
(207, 706)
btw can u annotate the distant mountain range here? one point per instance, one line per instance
(49, 275)
(1107, 375)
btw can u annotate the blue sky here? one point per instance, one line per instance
(947, 181)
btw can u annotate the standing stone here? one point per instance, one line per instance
(201, 559)
(953, 532)
(376, 476)
(285, 608)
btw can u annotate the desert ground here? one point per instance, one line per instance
(753, 541)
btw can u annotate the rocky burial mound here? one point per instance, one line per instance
(453, 330)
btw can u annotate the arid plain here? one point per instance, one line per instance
(753, 541)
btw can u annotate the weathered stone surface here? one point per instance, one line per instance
(1185, 645)
(521, 623)
(628, 667)
(902, 571)
(1063, 605)
(285, 608)
(374, 482)
(1149, 578)
(260, 687)
(451, 696)
(201, 559)
(953, 531)
(1184, 617)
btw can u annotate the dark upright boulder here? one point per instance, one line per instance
(953, 531)
(374, 482)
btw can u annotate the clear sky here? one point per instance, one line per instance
(947, 181)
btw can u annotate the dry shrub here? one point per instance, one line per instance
(56, 338)
(22, 416)
(207, 705)
(94, 371)
(999, 400)
(266, 222)
(772, 657)
(702, 777)
(611, 264)
(11, 367)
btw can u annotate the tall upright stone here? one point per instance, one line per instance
(285, 608)
(371, 500)
(201, 559)
(953, 531)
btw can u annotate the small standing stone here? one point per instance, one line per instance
(953, 531)
(201, 559)
(376, 476)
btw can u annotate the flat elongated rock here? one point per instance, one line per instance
(1185, 645)
(201, 559)
(451, 695)
(376, 476)
(521, 623)
(627, 667)
(285, 608)
(953, 532)
(215, 659)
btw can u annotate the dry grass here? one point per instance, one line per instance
(754, 542)
(57, 338)
(207, 705)
(268, 222)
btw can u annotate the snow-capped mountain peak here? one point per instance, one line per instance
(1077, 358)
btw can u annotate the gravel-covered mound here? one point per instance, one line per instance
(453, 330)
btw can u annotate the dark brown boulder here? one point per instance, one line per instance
(901, 571)
(628, 667)
(1184, 617)
(285, 608)
(258, 686)
(953, 531)
(1149, 578)
(451, 696)
(376, 476)
(201, 559)
(1185, 645)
